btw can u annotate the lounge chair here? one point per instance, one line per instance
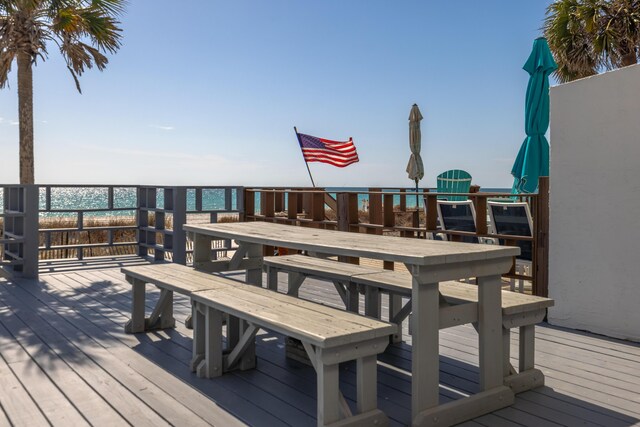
(453, 181)
(458, 216)
(513, 219)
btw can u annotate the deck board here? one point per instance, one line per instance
(64, 336)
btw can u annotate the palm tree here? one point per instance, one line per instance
(83, 31)
(587, 36)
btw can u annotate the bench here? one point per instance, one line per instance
(330, 336)
(457, 307)
(299, 267)
(169, 278)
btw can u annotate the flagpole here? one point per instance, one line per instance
(305, 160)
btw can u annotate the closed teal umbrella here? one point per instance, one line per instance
(533, 157)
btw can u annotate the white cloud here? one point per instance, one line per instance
(165, 128)
(14, 123)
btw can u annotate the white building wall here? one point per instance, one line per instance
(594, 237)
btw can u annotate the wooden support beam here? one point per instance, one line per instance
(292, 204)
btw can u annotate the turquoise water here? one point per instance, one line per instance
(71, 198)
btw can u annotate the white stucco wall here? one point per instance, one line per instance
(594, 237)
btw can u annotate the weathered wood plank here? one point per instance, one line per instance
(92, 407)
(249, 411)
(16, 402)
(397, 249)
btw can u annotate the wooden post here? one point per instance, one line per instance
(267, 201)
(278, 198)
(375, 210)
(30, 232)
(317, 205)
(249, 204)
(480, 203)
(403, 200)
(388, 220)
(432, 212)
(179, 220)
(541, 242)
(292, 204)
(347, 212)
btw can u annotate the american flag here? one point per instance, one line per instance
(335, 153)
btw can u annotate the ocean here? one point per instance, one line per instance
(72, 198)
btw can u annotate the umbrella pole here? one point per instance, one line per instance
(417, 199)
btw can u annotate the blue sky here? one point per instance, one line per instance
(208, 94)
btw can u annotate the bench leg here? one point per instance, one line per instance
(248, 359)
(272, 278)
(367, 371)
(294, 281)
(527, 377)
(372, 302)
(211, 366)
(162, 316)
(198, 341)
(395, 305)
(506, 352)
(328, 392)
(527, 348)
(353, 298)
(253, 276)
(137, 322)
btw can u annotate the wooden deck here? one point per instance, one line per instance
(66, 361)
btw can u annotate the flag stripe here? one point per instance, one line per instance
(336, 153)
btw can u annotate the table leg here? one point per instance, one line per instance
(425, 363)
(201, 249)
(490, 331)
(254, 275)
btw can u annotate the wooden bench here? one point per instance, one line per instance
(459, 306)
(169, 278)
(330, 336)
(299, 267)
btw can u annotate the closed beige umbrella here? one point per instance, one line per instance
(415, 168)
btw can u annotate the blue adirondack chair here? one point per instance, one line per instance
(454, 181)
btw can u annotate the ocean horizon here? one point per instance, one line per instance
(65, 199)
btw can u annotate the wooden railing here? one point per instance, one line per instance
(160, 213)
(80, 221)
(387, 213)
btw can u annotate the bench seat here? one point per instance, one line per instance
(330, 336)
(169, 278)
(518, 310)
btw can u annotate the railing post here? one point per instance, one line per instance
(480, 203)
(179, 220)
(403, 200)
(292, 204)
(142, 220)
(347, 215)
(541, 273)
(31, 234)
(375, 210)
(317, 206)
(249, 204)
(431, 212)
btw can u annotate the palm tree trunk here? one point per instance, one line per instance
(25, 116)
(629, 59)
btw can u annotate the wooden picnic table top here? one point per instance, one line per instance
(389, 248)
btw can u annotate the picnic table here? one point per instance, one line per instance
(429, 263)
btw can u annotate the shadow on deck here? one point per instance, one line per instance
(66, 360)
